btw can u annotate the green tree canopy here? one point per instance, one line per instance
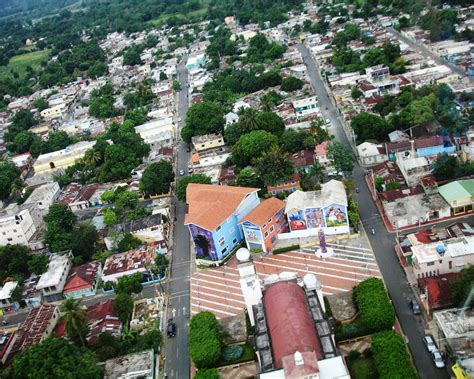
(76, 322)
(183, 184)
(204, 344)
(274, 166)
(54, 358)
(370, 126)
(247, 177)
(341, 157)
(130, 284)
(203, 118)
(293, 140)
(123, 306)
(290, 84)
(156, 178)
(251, 146)
(462, 286)
(207, 373)
(60, 222)
(9, 175)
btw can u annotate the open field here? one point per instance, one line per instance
(19, 62)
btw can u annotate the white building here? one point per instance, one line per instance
(306, 106)
(44, 196)
(17, 228)
(157, 133)
(52, 282)
(371, 154)
(6, 295)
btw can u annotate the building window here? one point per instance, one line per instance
(222, 241)
(234, 241)
(264, 226)
(430, 264)
(272, 229)
(273, 192)
(224, 250)
(270, 220)
(450, 265)
(218, 228)
(265, 235)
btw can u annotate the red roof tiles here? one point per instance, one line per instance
(264, 211)
(82, 277)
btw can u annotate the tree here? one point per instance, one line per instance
(75, 319)
(290, 84)
(247, 177)
(356, 93)
(163, 76)
(110, 217)
(370, 126)
(270, 122)
(461, 287)
(251, 146)
(341, 157)
(207, 373)
(176, 85)
(183, 184)
(40, 104)
(203, 118)
(130, 284)
(128, 242)
(446, 167)
(293, 140)
(38, 264)
(204, 344)
(161, 264)
(60, 222)
(85, 241)
(9, 174)
(274, 166)
(14, 262)
(123, 306)
(156, 178)
(318, 131)
(248, 119)
(54, 358)
(132, 56)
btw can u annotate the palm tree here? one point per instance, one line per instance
(92, 157)
(248, 119)
(75, 319)
(17, 187)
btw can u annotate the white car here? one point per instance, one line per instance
(437, 358)
(181, 172)
(429, 343)
(328, 121)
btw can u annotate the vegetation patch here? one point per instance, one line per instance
(19, 63)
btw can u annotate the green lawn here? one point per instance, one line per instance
(198, 12)
(20, 62)
(363, 368)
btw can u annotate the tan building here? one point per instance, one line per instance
(208, 141)
(54, 112)
(62, 158)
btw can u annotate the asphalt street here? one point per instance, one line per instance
(176, 349)
(382, 242)
(426, 53)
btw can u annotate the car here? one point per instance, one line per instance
(181, 172)
(437, 358)
(179, 119)
(190, 170)
(328, 121)
(429, 343)
(171, 329)
(415, 307)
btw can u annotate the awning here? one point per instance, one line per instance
(459, 372)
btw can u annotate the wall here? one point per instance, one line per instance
(227, 237)
(17, 231)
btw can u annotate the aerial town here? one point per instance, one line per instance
(237, 189)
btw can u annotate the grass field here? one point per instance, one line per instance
(19, 63)
(198, 12)
(363, 368)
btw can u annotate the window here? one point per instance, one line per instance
(270, 220)
(222, 241)
(265, 235)
(264, 226)
(224, 250)
(272, 228)
(273, 192)
(234, 240)
(430, 264)
(232, 230)
(218, 228)
(450, 265)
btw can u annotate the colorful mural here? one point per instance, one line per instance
(203, 242)
(296, 219)
(314, 218)
(252, 233)
(335, 215)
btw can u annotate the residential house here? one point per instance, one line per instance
(51, 283)
(137, 365)
(292, 184)
(459, 195)
(55, 112)
(157, 133)
(263, 224)
(82, 280)
(306, 106)
(208, 141)
(196, 62)
(17, 227)
(371, 154)
(213, 217)
(211, 157)
(413, 169)
(7, 305)
(321, 154)
(326, 209)
(23, 162)
(62, 158)
(128, 263)
(42, 197)
(147, 229)
(303, 160)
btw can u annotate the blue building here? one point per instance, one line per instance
(196, 61)
(214, 215)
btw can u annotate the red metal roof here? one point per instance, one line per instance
(289, 321)
(437, 289)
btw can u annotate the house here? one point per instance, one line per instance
(62, 158)
(43, 196)
(213, 217)
(379, 78)
(147, 229)
(211, 157)
(82, 280)
(262, 225)
(303, 160)
(306, 106)
(371, 154)
(6, 302)
(459, 195)
(17, 226)
(55, 112)
(157, 133)
(413, 169)
(436, 291)
(128, 263)
(326, 209)
(23, 162)
(196, 62)
(137, 365)
(287, 186)
(39, 324)
(321, 154)
(51, 283)
(208, 141)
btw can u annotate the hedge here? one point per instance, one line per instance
(207, 373)
(391, 356)
(282, 250)
(204, 343)
(376, 312)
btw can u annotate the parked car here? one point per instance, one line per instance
(415, 307)
(181, 172)
(429, 343)
(437, 358)
(328, 121)
(171, 329)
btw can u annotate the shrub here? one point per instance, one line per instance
(376, 311)
(353, 355)
(285, 249)
(204, 343)
(391, 356)
(231, 353)
(207, 373)
(368, 352)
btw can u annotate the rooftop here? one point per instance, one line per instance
(332, 192)
(82, 277)
(7, 289)
(264, 211)
(131, 366)
(457, 190)
(210, 206)
(56, 266)
(130, 260)
(206, 138)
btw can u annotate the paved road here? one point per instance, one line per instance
(382, 242)
(428, 53)
(177, 358)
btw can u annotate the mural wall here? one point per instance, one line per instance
(296, 220)
(332, 216)
(335, 215)
(203, 242)
(314, 218)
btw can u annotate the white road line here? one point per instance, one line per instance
(201, 300)
(216, 284)
(216, 311)
(212, 289)
(198, 295)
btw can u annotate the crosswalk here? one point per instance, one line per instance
(218, 289)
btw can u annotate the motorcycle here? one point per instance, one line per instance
(373, 231)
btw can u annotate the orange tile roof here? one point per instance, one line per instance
(210, 206)
(264, 211)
